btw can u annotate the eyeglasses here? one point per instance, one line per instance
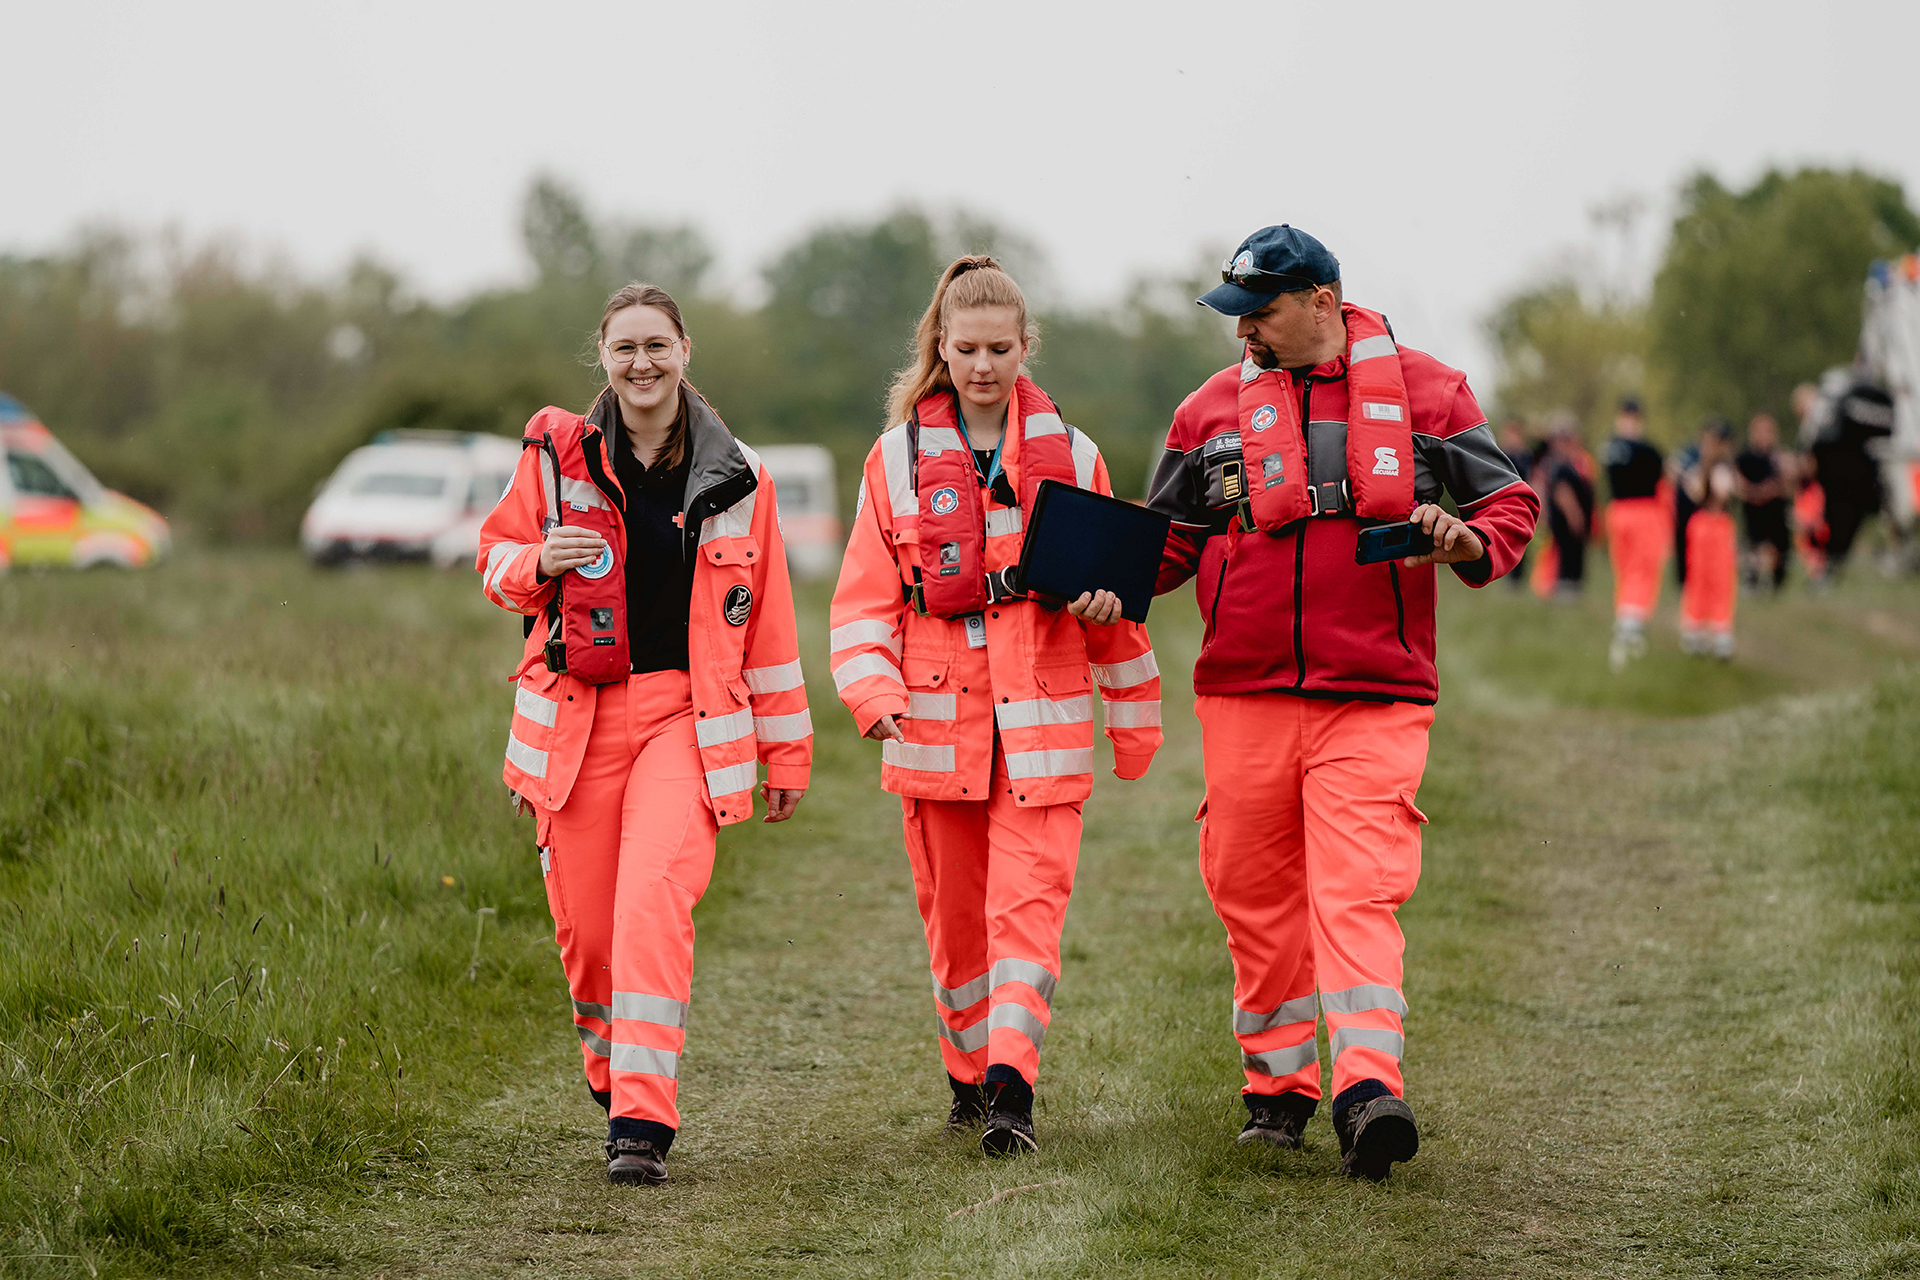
(657, 351)
(1254, 278)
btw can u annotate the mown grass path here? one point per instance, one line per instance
(1661, 966)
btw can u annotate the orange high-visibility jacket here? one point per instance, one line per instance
(748, 694)
(1017, 667)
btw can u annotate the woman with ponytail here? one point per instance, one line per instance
(661, 668)
(982, 696)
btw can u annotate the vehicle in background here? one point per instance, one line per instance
(803, 478)
(402, 496)
(53, 513)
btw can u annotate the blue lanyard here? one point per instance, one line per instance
(993, 464)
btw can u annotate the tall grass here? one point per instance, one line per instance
(264, 905)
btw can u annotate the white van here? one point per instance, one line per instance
(408, 496)
(809, 506)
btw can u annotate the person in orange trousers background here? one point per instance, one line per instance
(981, 696)
(1639, 531)
(1713, 563)
(661, 668)
(1315, 683)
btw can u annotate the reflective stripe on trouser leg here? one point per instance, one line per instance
(945, 842)
(1363, 860)
(1253, 863)
(1031, 856)
(639, 805)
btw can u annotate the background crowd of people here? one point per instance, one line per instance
(1731, 512)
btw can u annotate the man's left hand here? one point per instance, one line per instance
(1102, 607)
(1453, 542)
(781, 801)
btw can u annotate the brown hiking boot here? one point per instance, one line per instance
(633, 1162)
(1275, 1120)
(1375, 1134)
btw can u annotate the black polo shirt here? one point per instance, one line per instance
(659, 578)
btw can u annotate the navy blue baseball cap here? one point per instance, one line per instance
(1268, 263)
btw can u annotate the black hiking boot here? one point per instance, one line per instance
(1375, 1134)
(1009, 1130)
(633, 1162)
(969, 1105)
(1276, 1120)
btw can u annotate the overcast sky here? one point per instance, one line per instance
(1445, 152)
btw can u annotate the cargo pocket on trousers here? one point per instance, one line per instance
(1206, 848)
(1401, 871)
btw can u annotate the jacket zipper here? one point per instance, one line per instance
(1300, 546)
(1399, 605)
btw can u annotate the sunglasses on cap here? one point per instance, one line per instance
(1266, 281)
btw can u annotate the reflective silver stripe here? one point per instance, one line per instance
(588, 1009)
(794, 728)
(964, 996)
(932, 706)
(863, 631)
(718, 729)
(498, 559)
(862, 665)
(1362, 998)
(1345, 1038)
(1042, 424)
(1369, 348)
(1035, 712)
(899, 472)
(1282, 1062)
(641, 1060)
(733, 778)
(939, 440)
(534, 707)
(1133, 715)
(735, 522)
(1246, 1022)
(1017, 1017)
(1049, 764)
(637, 1006)
(1037, 976)
(1122, 675)
(1002, 521)
(528, 760)
(917, 756)
(581, 493)
(546, 862)
(966, 1039)
(777, 679)
(596, 1043)
(1085, 454)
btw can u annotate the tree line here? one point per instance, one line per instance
(222, 388)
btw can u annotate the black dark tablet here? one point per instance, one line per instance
(1078, 541)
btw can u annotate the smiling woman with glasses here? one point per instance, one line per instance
(661, 670)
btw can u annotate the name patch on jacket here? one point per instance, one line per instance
(739, 606)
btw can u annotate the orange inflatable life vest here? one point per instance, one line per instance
(587, 615)
(952, 576)
(1377, 484)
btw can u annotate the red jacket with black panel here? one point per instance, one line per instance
(1288, 610)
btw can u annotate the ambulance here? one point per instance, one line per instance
(54, 514)
(409, 495)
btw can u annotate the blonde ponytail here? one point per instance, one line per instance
(976, 280)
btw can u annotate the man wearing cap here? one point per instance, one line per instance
(1316, 680)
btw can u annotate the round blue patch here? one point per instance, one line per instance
(1265, 416)
(945, 501)
(600, 567)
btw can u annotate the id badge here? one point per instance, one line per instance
(976, 630)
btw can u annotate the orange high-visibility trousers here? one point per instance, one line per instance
(993, 878)
(1309, 843)
(1639, 533)
(1707, 600)
(628, 856)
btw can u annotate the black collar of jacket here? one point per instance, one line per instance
(717, 472)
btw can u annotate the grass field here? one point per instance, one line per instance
(278, 992)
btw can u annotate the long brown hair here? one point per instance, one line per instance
(641, 294)
(976, 280)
